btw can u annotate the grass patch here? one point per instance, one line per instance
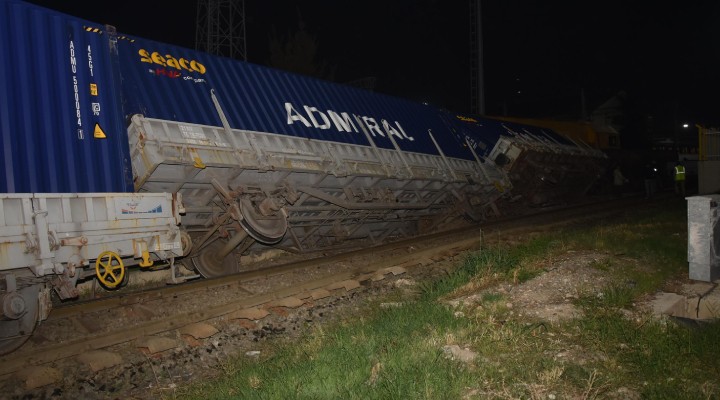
(659, 358)
(389, 354)
(401, 352)
(501, 263)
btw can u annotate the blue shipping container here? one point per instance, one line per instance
(174, 83)
(65, 80)
(61, 125)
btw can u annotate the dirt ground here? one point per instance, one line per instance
(547, 298)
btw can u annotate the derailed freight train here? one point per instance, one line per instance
(120, 151)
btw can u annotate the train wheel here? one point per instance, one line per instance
(210, 264)
(264, 229)
(19, 316)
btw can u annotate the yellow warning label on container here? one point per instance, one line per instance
(99, 133)
(93, 89)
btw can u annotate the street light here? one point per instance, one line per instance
(685, 125)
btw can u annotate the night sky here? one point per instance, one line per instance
(538, 55)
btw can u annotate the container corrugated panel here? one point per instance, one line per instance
(57, 87)
(174, 83)
(542, 134)
(480, 133)
(484, 133)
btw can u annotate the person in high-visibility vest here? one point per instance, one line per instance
(680, 178)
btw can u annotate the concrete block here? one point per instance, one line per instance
(99, 360)
(319, 294)
(394, 270)
(35, 377)
(156, 344)
(348, 285)
(199, 330)
(252, 313)
(669, 304)
(288, 302)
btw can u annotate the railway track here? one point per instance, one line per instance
(150, 320)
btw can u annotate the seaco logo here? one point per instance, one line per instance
(169, 61)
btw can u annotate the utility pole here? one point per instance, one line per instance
(220, 28)
(477, 80)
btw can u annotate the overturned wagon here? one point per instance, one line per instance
(265, 157)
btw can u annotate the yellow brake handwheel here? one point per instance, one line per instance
(109, 269)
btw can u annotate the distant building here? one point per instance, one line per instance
(605, 121)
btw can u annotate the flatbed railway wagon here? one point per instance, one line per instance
(68, 211)
(120, 151)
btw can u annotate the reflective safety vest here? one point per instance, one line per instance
(679, 173)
